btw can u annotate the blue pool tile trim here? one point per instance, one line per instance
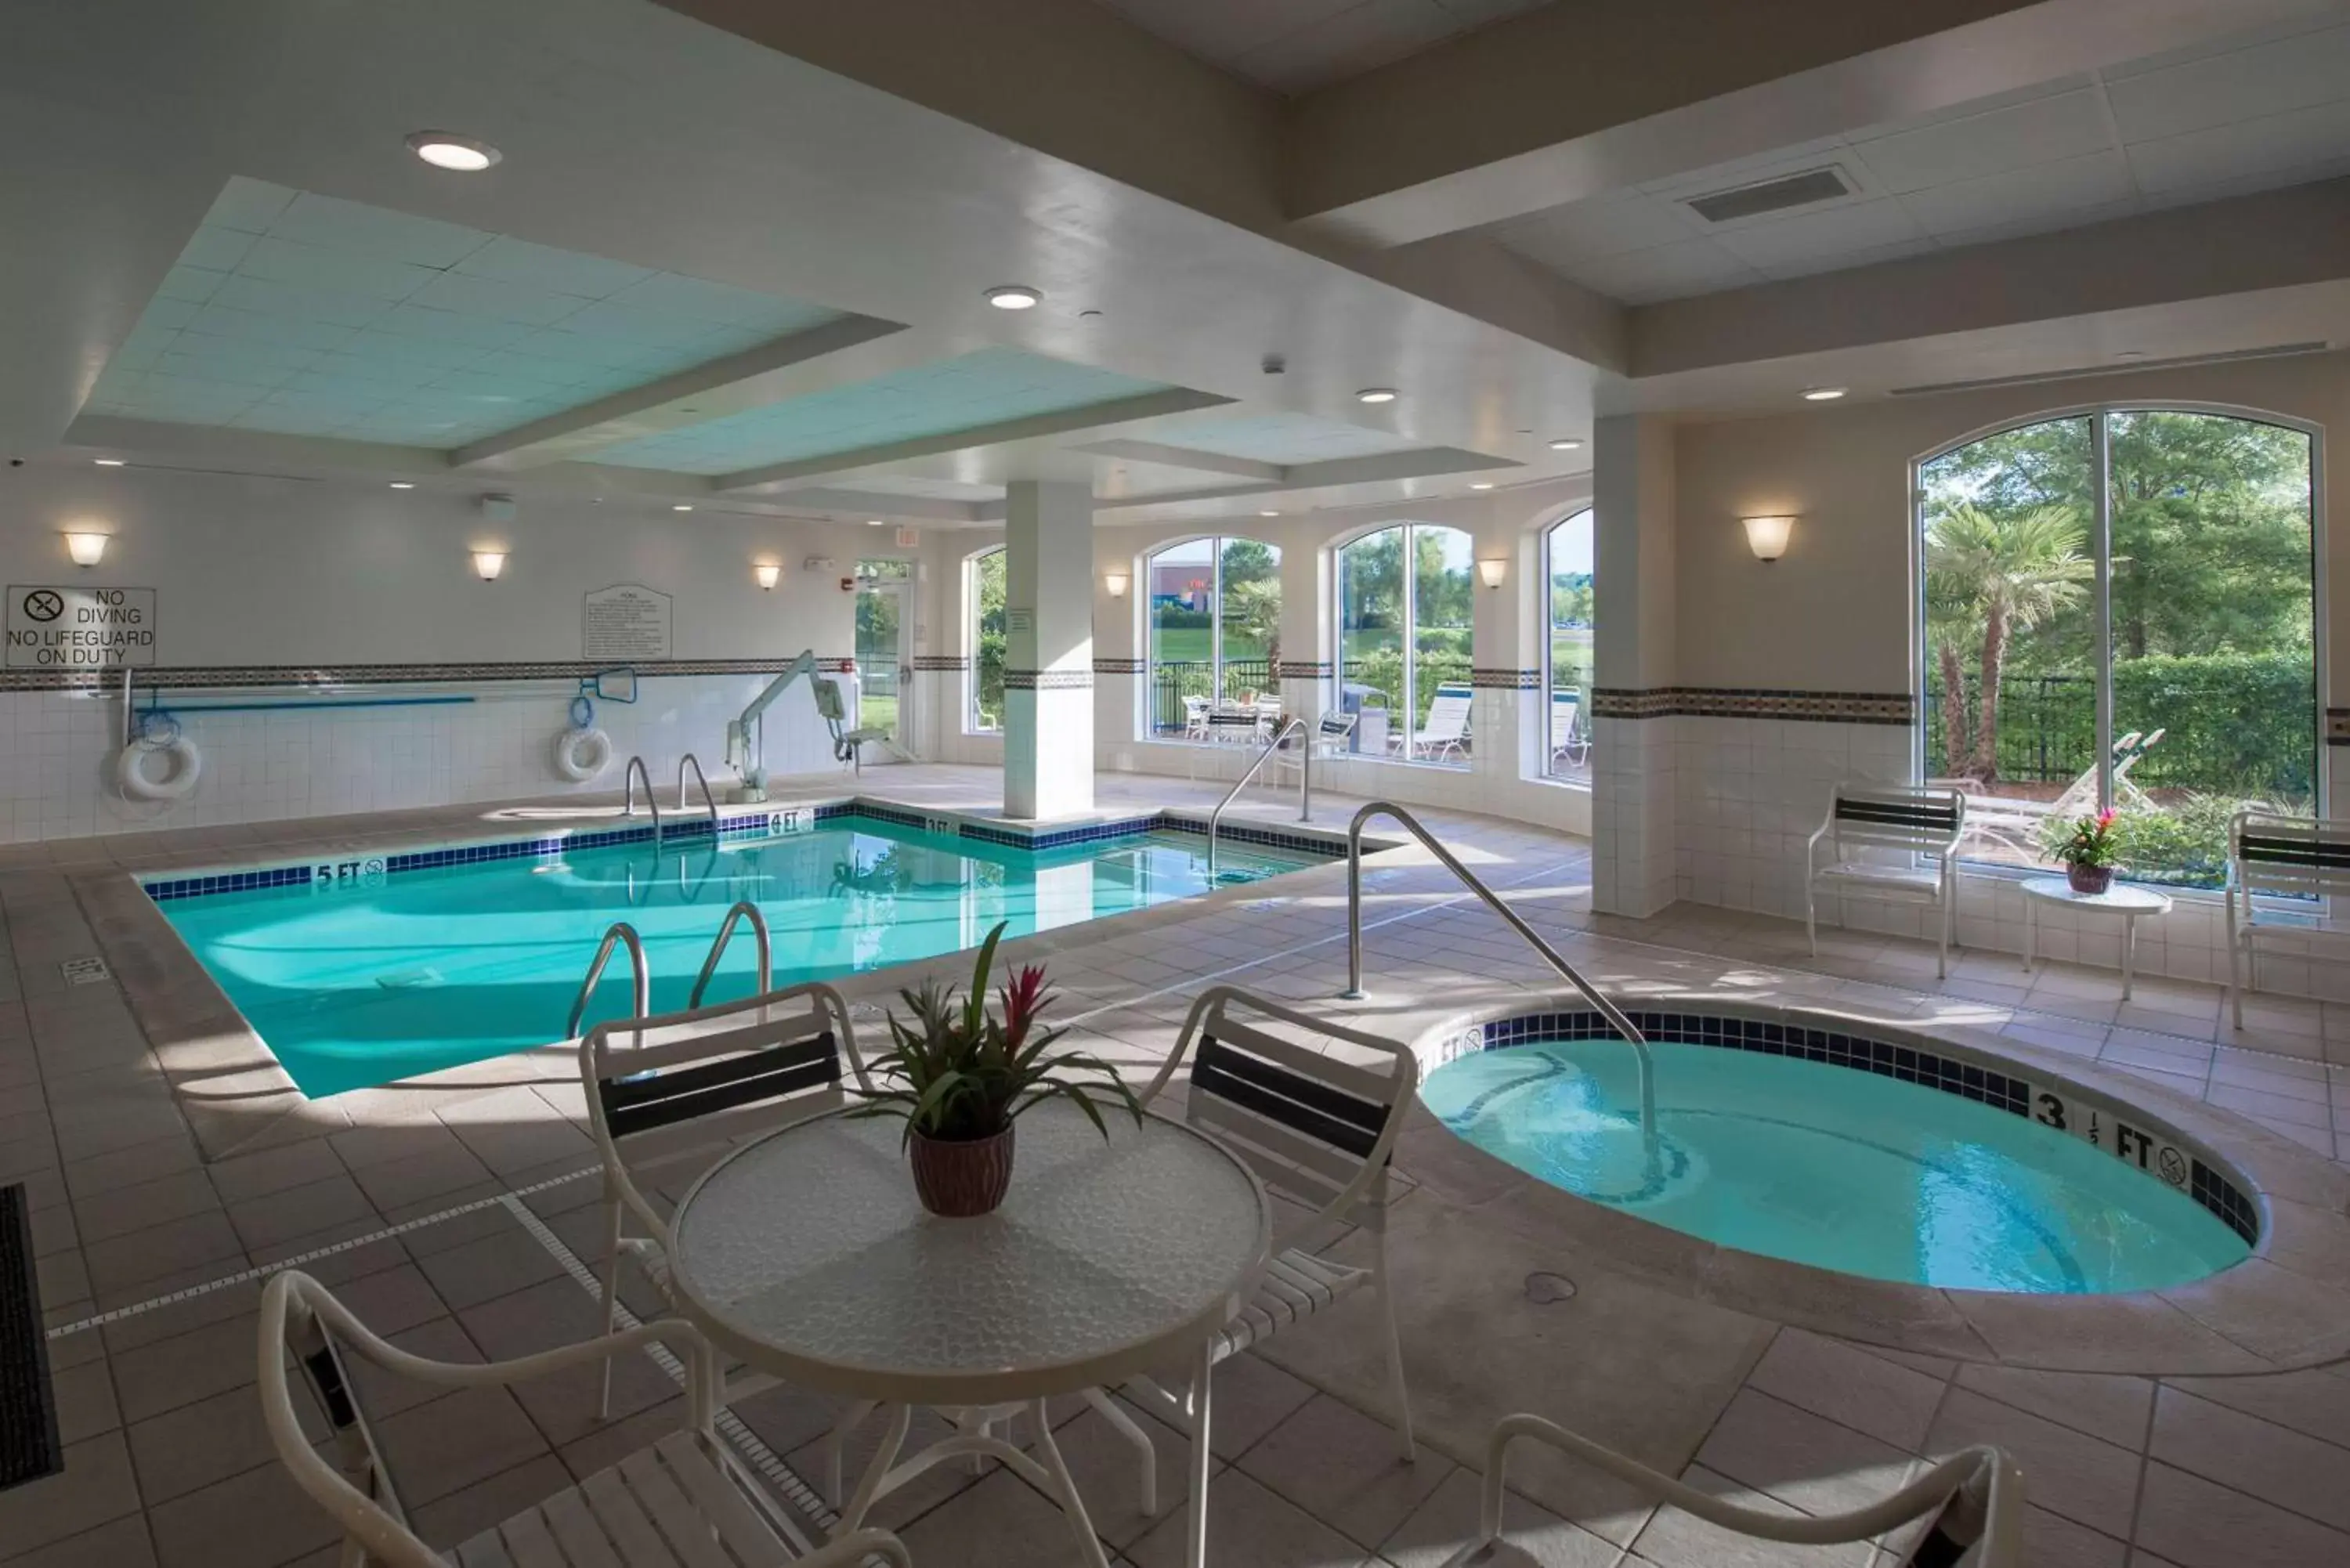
(1950, 1075)
(757, 824)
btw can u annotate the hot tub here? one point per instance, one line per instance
(1896, 1159)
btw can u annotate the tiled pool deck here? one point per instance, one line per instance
(162, 1157)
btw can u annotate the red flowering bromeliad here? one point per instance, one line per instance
(2088, 853)
(957, 1074)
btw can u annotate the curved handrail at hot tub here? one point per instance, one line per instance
(1549, 954)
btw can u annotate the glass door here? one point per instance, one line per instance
(882, 647)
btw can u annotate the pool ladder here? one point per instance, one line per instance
(623, 935)
(1493, 901)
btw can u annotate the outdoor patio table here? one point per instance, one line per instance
(2128, 902)
(805, 1254)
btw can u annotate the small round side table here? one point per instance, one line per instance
(2122, 898)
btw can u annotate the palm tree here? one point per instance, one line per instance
(2005, 572)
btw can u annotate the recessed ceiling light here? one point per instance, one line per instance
(1482, 484)
(1566, 444)
(108, 461)
(873, 522)
(461, 153)
(682, 506)
(1088, 315)
(403, 484)
(1823, 394)
(2129, 353)
(1015, 297)
(1268, 514)
(1376, 395)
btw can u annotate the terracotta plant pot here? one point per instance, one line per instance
(963, 1179)
(2090, 880)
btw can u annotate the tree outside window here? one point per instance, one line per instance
(1214, 609)
(983, 598)
(1404, 636)
(2196, 696)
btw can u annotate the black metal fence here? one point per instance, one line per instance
(1172, 681)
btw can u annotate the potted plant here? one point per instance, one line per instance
(961, 1077)
(2087, 852)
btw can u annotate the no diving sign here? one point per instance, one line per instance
(85, 628)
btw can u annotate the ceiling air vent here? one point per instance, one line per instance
(1804, 189)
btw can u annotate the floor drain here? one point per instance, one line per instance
(1547, 1289)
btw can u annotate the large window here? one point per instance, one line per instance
(1568, 604)
(1215, 631)
(982, 598)
(2118, 612)
(1406, 602)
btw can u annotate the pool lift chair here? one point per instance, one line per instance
(746, 735)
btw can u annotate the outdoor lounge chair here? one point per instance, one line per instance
(1447, 734)
(1566, 742)
(2016, 823)
(1910, 821)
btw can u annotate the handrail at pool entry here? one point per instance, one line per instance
(1980, 1485)
(619, 932)
(743, 907)
(683, 762)
(1304, 785)
(636, 770)
(1550, 955)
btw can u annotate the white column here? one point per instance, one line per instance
(1048, 657)
(1304, 678)
(1635, 846)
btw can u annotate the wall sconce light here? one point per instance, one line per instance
(1492, 571)
(1767, 537)
(1116, 582)
(488, 563)
(87, 549)
(768, 573)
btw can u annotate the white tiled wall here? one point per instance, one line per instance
(1747, 793)
(1634, 815)
(58, 752)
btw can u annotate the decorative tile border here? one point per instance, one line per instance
(2058, 1108)
(925, 663)
(201, 676)
(1303, 669)
(1120, 666)
(1738, 702)
(761, 822)
(1505, 680)
(1048, 680)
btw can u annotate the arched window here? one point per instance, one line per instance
(1406, 603)
(2117, 611)
(1569, 604)
(1215, 631)
(982, 598)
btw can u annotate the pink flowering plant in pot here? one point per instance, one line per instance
(2088, 853)
(960, 1076)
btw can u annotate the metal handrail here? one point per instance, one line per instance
(1550, 955)
(725, 934)
(683, 762)
(1305, 785)
(621, 933)
(636, 770)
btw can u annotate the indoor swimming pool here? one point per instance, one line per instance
(1862, 1156)
(404, 968)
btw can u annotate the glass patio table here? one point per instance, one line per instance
(805, 1254)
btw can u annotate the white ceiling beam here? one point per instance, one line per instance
(1186, 457)
(751, 379)
(1566, 102)
(1092, 416)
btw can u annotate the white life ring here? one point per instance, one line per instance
(581, 754)
(187, 767)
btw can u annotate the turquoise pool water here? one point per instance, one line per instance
(424, 970)
(1824, 1165)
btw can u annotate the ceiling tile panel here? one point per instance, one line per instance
(1287, 438)
(304, 314)
(2238, 84)
(1668, 272)
(1822, 233)
(973, 390)
(2251, 148)
(2053, 193)
(2042, 131)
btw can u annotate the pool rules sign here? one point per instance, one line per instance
(80, 629)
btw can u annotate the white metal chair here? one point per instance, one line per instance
(1195, 718)
(1315, 1128)
(1567, 742)
(1333, 736)
(2276, 856)
(1866, 820)
(1975, 1498)
(678, 1087)
(683, 1499)
(1447, 732)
